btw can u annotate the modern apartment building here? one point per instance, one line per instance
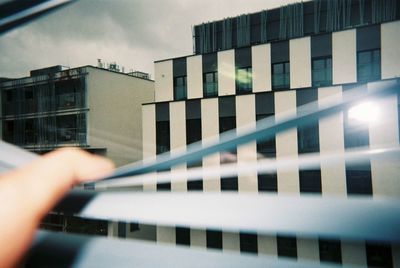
(269, 63)
(88, 107)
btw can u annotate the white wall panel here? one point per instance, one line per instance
(261, 61)
(194, 77)
(300, 62)
(267, 245)
(149, 137)
(308, 249)
(384, 132)
(166, 234)
(344, 57)
(177, 112)
(230, 242)
(390, 49)
(226, 73)
(164, 82)
(331, 139)
(353, 254)
(210, 130)
(245, 115)
(198, 238)
(286, 143)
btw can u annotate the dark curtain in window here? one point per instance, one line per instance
(243, 31)
(291, 21)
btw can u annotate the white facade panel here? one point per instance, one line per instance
(354, 254)
(261, 67)
(194, 77)
(286, 143)
(177, 115)
(267, 245)
(164, 82)
(198, 238)
(230, 242)
(331, 140)
(149, 137)
(308, 249)
(384, 132)
(226, 73)
(300, 62)
(344, 57)
(390, 49)
(245, 116)
(166, 235)
(210, 131)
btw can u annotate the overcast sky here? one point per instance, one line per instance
(133, 33)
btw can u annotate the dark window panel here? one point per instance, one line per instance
(266, 147)
(280, 52)
(230, 184)
(182, 236)
(368, 65)
(210, 62)
(193, 130)
(379, 255)
(308, 18)
(287, 246)
(248, 243)
(330, 251)
(162, 112)
(322, 72)
(267, 182)
(242, 57)
(164, 186)
(226, 107)
(310, 181)
(180, 88)
(369, 38)
(356, 133)
(121, 229)
(321, 45)
(162, 137)
(133, 227)
(214, 239)
(265, 103)
(193, 109)
(195, 185)
(210, 84)
(308, 138)
(358, 179)
(280, 76)
(244, 80)
(179, 67)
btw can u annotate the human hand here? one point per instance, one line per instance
(28, 193)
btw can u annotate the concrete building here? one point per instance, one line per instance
(271, 62)
(88, 107)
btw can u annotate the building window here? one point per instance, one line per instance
(180, 88)
(67, 129)
(369, 65)
(287, 246)
(356, 133)
(210, 84)
(266, 147)
(267, 182)
(133, 227)
(182, 236)
(280, 75)
(330, 251)
(308, 138)
(231, 183)
(310, 181)
(121, 229)
(8, 131)
(379, 255)
(248, 243)
(162, 137)
(243, 80)
(214, 239)
(358, 179)
(322, 72)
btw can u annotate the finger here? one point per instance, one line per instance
(44, 181)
